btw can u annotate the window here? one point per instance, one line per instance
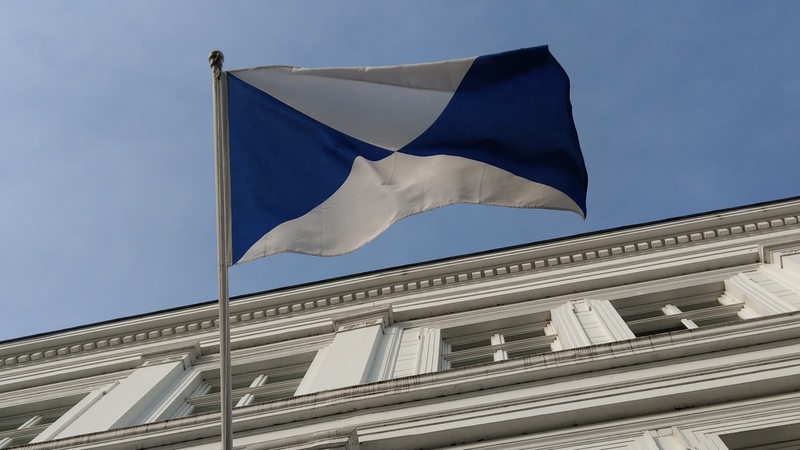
(496, 340)
(681, 309)
(786, 437)
(20, 426)
(249, 386)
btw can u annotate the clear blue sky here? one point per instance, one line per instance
(106, 161)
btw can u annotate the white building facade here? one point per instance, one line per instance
(682, 334)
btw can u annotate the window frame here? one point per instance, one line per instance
(681, 309)
(495, 340)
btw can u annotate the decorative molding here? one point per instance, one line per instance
(662, 438)
(616, 327)
(428, 353)
(746, 288)
(571, 320)
(567, 327)
(186, 354)
(397, 416)
(361, 323)
(386, 360)
(775, 253)
(369, 318)
(537, 257)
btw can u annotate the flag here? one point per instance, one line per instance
(324, 160)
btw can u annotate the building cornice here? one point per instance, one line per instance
(772, 343)
(721, 229)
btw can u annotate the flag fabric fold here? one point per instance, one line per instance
(324, 160)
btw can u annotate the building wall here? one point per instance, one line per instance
(678, 334)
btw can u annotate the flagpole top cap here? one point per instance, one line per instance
(216, 58)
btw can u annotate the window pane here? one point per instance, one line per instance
(471, 345)
(281, 382)
(786, 437)
(511, 337)
(527, 352)
(466, 344)
(471, 362)
(717, 320)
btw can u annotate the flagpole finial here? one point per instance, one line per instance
(216, 58)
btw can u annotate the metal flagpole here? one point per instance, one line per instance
(215, 59)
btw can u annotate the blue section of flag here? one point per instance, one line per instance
(282, 163)
(513, 111)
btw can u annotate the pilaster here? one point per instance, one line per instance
(348, 360)
(582, 323)
(126, 402)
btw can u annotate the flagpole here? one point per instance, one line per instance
(216, 59)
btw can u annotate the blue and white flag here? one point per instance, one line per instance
(324, 160)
